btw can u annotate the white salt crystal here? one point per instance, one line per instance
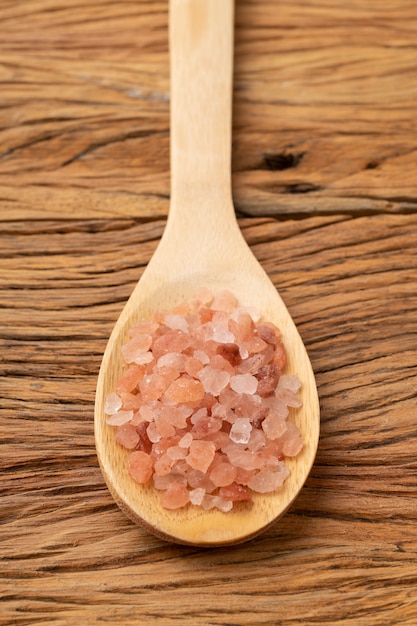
(197, 495)
(211, 502)
(244, 383)
(241, 430)
(113, 404)
(119, 418)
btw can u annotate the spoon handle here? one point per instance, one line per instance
(201, 54)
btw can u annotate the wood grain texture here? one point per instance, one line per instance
(324, 97)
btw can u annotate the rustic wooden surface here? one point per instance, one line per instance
(324, 161)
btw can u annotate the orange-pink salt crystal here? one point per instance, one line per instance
(183, 390)
(224, 301)
(223, 474)
(175, 497)
(235, 492)
(152, 387)
(140, 466)
(130, 378)
(200, 455)
(192, 366)
(127, 436)
(137, 345)
(130, 401)
(170, 341)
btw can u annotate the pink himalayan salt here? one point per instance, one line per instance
(130, 379)
(244, 383)
(235, 493)
(113, 403)
(223, 474)
(274, 425)
(216, 502)
(175, 496)
(130, 401)
(201, 454)
(213, 380)
(119, 418)
(136, 346)
(241, 430)
(127, 436)
(267, 480)
(140, 466)
(208, 403)
(183, 390)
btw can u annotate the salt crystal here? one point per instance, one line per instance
(215, 502)
(224, 301)
(119, 418)
(185, 441)
(198, 415)
(269, 479)
(222, 335)
(136, 346)
(183, 390)
(274, 425)
(163, 482)
(176, 322)
(289, 382)
(223, 474)
(252, 311)
(289, 398)
(201, 356)
(113, 404)
(152, 433)
(197, 495)
(140, 466)
(244, 383)
(176, 453)
(127, 436)
(201, 454)
(175, 497)
(213, 380)
(143, 358)
(241, 430)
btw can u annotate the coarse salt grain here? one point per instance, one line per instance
(244, 383)
(113, 404)
(203, 406)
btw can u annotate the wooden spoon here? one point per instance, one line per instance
(202, 246)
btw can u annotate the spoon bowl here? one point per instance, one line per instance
(202, 246)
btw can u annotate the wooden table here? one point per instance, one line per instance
(324, 175)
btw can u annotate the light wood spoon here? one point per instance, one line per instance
(202, 246)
